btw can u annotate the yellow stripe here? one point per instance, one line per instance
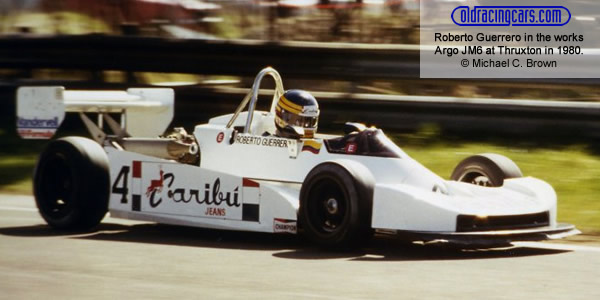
(313, 144)
(290, 103)
(288, 108)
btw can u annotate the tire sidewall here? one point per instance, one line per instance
(88, 167)
(356, 225)
(495, 167)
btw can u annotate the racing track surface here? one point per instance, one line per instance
(137, 260)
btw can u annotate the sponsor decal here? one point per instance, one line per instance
(36, 123)
(213, 200)
(311, 146)
(261, 141)
(284, 226)
(212, 194)
(36, 133)
(215, 211)
(156, 185)
(37, 128)
(351, 148)
(220, 137)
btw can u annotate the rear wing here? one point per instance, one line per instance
(145, 112)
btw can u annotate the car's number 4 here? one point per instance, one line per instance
(120, 184)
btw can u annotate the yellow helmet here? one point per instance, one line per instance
(297, 114)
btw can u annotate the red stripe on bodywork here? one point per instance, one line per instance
(137, 169)
(284, 220)
(311, 149)
(250, 183)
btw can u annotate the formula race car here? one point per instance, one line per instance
(233, 173)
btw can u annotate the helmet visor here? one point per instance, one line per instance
(296, 120)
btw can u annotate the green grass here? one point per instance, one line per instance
(572, 170)
(17, 159)
(16, 172)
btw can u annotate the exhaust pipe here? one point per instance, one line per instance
(167, 148)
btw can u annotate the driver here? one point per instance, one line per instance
(296, 115)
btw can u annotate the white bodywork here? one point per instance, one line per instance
(403, 197)
(249, 180)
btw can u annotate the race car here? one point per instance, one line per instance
(234, 173)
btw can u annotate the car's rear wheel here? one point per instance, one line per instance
(335, 206)
(486, 169)
(71, 183)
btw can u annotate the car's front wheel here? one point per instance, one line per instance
(486, 169)
(336, 206)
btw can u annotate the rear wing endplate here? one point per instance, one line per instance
(145, 112)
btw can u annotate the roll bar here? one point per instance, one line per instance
(252, 96)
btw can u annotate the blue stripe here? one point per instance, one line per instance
(20, 127)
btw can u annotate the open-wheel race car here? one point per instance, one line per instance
(236, 173)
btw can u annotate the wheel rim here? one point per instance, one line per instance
(55, 187)
(327, 206)
(476, 178)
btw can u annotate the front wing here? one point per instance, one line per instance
(483, 238)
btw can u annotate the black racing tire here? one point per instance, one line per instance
(336, 204)
(71, 183)
(487, 169)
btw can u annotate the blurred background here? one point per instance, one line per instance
(360, 58)
(379, 21)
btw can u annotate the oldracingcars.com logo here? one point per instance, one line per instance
(511, 16)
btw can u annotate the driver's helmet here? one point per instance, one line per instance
(297, 114)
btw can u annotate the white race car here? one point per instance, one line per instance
(229, 174)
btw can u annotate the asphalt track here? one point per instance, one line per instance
(125, 259)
